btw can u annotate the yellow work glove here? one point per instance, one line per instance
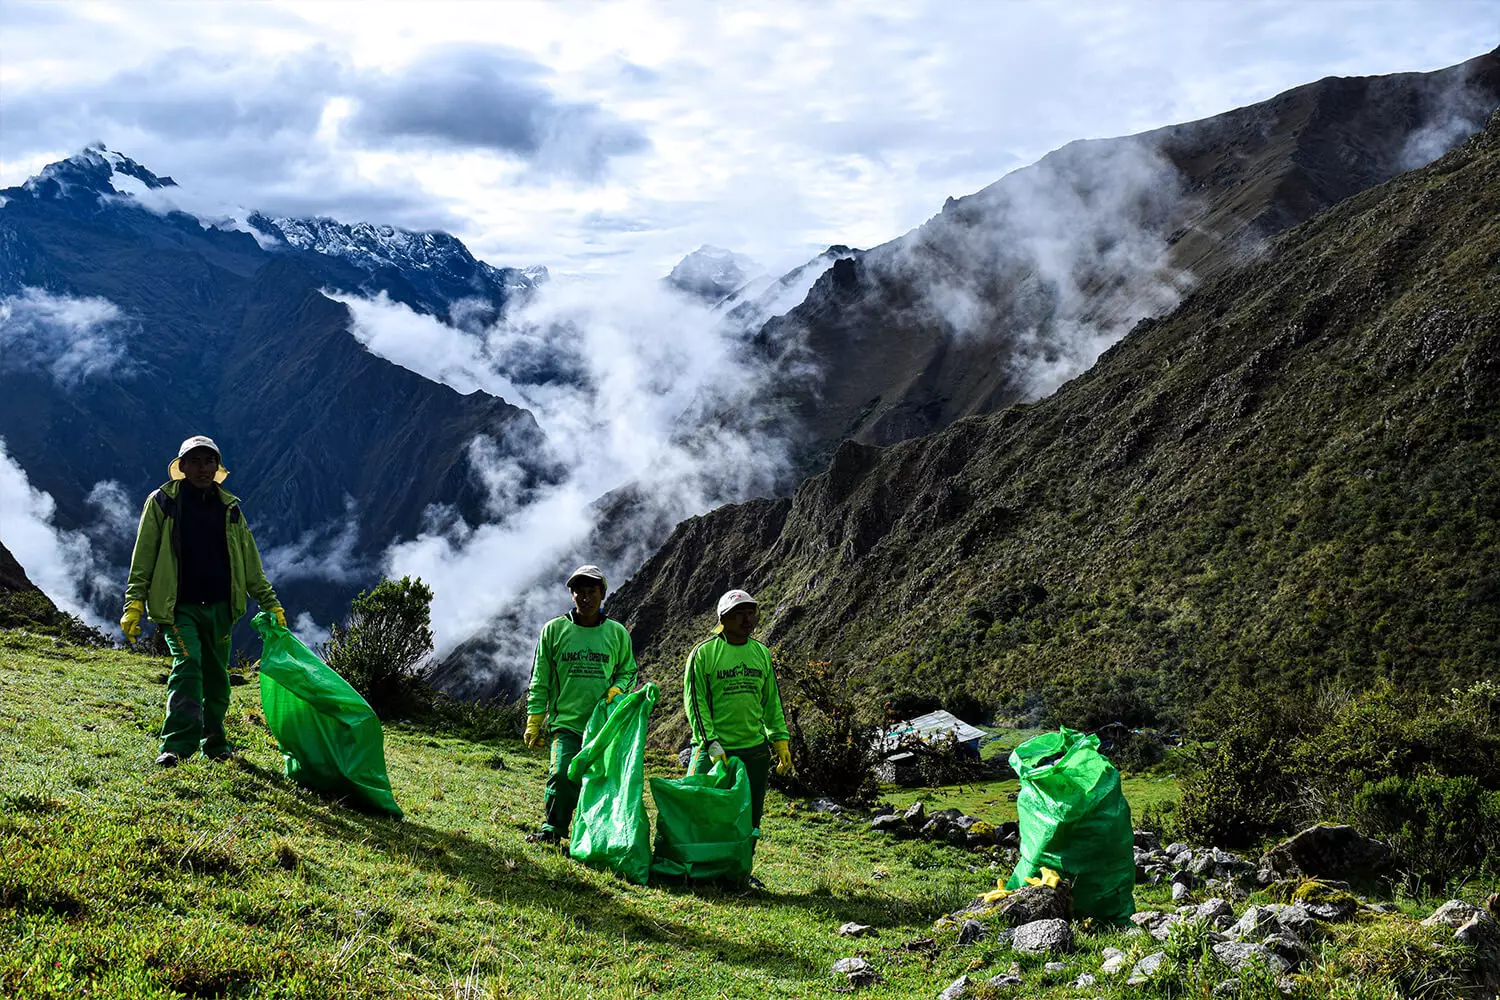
(130, 621)
(280, 616)
(1049, 878)
(609, 695)
(536, 735)
(783, 753)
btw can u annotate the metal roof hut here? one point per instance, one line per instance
(899, 766)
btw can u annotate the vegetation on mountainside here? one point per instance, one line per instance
(33, 611)
(1292, 479)
(122, 880)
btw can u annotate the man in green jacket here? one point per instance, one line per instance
(733, 702)
(581, 657)
(194, 563)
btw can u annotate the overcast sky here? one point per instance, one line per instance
(614, 137)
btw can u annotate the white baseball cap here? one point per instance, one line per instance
(734, 599)
(589, 572)
(174, 470)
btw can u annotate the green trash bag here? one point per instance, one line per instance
(610, 829)
(703, 824)
(1074, 819)
(329, 736)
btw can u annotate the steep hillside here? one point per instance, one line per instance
(13, 578)
(146, 327)
(1293, 477)
(1010, 291)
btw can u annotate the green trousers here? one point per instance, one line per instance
(561, 797)
(757, 761)
(198, 687)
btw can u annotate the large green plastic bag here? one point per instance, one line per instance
(610, 829)
(703, 826)
(329, 736)
(1075, 820)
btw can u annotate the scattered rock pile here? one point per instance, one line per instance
(948, 826)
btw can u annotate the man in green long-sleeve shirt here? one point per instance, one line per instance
(732, 701)
(581, 657)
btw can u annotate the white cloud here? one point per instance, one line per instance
(774, 128)
(72, 339)
(62, 563)
(322, 553)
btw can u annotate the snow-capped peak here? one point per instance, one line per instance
(712, 273)
(95, 170)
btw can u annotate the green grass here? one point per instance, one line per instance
(991, 800)
(121, 880)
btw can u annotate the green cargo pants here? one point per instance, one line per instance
(757, 761)
(561, 797)
(198, 687)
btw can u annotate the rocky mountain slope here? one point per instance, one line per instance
(185, 328)
(1291, 478)
(1010, 291)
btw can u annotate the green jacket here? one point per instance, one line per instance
(575, 667)
(731, 695)
(153, 564)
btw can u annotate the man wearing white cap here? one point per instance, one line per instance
(581, 657)
(733, 702)
(194, 563)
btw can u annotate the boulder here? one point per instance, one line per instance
(956, 990)
(1215, 912)
(970, 931)
(890, 823)
(826, 806)
(1114, 961)
(1041, 936)
(1146, 840)
(1146, 968)
(1326, 852)
(1008, 834)
(1327, 902)
(1297, 922)
(1253, 923)
(1239, 953)
(1180, 892)
(957, 836)
(852, 929)
(1031, 903)
(1454, 913)
(915, 815)
(1156, 923)
(849, 966)
(1286, 947)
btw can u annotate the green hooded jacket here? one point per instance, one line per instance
(730, 694)
(575, 667)
(153, 564)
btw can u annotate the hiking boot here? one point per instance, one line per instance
(167, 759)
(223, 753)
(543, 837)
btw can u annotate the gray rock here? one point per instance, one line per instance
(1008, 834)
(970, 931)
(1236, 954)
(852, 929)
(1173, 850)
(1332, 911)
(1184, 877)
(826, 806)
(1043, 936)
(956, 836)
(1202, 864)
(935, 828)
(849, 966)
(1227, 990)
(1035, 902)
(1147, 840)
(1253, 923)
(1114, 961)
(1296, 921)
(1055, 967)
(1286, 947)
(977, 838)
(1454, 913)
(1084, 981)
(1215, 912)
(1005, 979)
(1180, 892)
(1327, 852)
(889, 823)
(1156, 923)
(915, 815)
(956, 990)
(1146, 968)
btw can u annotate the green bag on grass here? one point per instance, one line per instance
(329, 736)
(1074, 819)
(703, 826)
(610, 829)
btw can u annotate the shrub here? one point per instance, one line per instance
(382, 646)
(834, 749)
(1439, 828)
(942, 760)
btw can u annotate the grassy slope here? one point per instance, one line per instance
(226, 880)
(119, 880)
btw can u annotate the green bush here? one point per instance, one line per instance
(1439, 828)
(1243, 784)
(834, 749)
(381, 648)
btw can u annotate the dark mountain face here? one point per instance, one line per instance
(1010, 291)
(1291, 478)
(13, 577)
(210, 332)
